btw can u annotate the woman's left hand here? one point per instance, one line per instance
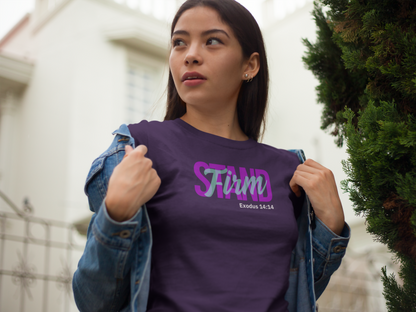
(319, 184)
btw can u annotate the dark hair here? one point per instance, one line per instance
(252, 100)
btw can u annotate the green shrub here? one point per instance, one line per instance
(365, 61)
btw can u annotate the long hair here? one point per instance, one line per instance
(253, 96)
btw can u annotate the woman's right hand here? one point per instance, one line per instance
(133, 183)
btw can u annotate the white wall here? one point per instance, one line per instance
(98, 94)
(75, 100)
(294, 115)
(62, 121)
(20, 43)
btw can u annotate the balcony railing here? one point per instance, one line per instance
(37, 260)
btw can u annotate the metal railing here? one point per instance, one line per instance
(37, 261)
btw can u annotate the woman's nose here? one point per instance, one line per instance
(193, 56)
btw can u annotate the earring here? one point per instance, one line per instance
(247, 78)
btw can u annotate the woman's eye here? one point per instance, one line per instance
(213, 41)
(178, 42)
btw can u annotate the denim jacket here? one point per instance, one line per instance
(114, 272)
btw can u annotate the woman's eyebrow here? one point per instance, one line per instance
(204, 33)
(211, 31)
(180, 32)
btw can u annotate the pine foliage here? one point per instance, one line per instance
(365, 60)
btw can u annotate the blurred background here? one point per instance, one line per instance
(72, 71)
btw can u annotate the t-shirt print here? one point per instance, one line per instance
(223, 221)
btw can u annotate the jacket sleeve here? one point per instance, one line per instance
(102, 279)
(328, 251)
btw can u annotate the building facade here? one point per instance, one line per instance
(71, 72)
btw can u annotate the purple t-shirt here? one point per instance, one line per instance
(223, 221)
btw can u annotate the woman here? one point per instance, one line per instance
(200, 216)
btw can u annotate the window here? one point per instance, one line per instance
(141, 92)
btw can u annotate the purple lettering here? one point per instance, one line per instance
(198, 173)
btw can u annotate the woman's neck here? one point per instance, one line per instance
(223, 125)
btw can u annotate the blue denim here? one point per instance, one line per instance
(114, 272)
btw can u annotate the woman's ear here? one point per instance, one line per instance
(251, 66)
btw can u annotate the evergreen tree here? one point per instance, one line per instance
(365, 60)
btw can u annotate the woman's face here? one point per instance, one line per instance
(206, 60)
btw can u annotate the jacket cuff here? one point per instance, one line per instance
(118, 235)
(329, 244)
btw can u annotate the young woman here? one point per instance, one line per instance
(192, 213)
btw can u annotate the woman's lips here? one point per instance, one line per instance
(193, 82)
(192, 79)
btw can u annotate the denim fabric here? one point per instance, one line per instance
(114, 272)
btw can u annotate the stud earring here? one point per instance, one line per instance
(249, 79)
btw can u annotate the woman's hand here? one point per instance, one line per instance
(319, 184)
(132, 184)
